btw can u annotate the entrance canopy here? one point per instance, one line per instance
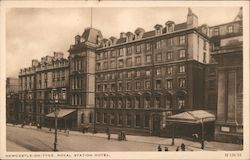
(192, 117)
(62, 113)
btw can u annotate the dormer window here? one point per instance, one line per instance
(216, 31)
(138, 33)
(158, 29)
(77, 39)
(171, 28)
(230, 29)
(158, 32)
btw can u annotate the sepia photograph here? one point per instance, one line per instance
(89, 81)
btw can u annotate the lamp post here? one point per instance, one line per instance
(202, 134)
(56, 112)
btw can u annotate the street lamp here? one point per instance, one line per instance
(56, 112)
(202, 133)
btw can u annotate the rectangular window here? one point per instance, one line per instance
(112, 64)
(99, 87)
(137, 120)
(129, 75)
(230, 29)
(148, 59)
(147, 85)
(170, 70)
(120, 75)
(121, 63)
(158, 57)
(138, 48)
(148, 46)
(105, 65)
(113, 87)
(182, 82)
(105, 55)
(128, 86)
(129, 51)
(148, 72)
(121, 52)
(105, 118)
(146, 121)
(138, 73)
(98, 117)
(216, 31)
(169, 84)
(158, 71)
(138, 85)
(182, 40)
(169, 55)
(112, 118)
(129, 62)
(138, 60)
(170, 28)
(182, 69)
(158, 84)
(113, 54)
(129, 117)
(120, 119)
(170, 42)
(158, 44)
(204, 45)
(98, 56)
(182, 53)
(105, 87)
(204, 57)
(120, 86)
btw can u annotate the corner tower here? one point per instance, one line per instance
(82, 76)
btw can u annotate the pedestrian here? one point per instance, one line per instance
(159, 147)
(67, 132)
(166, 148)
(177, 149)
(183, 147)
(124, 136)
(108, 133)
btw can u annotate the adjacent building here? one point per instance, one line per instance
(227, 49)
(37, 84)
(12, 88)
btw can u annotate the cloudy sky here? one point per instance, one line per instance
(34, 33)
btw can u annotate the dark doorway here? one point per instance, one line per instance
(156, 125)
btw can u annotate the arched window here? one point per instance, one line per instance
(146, 102)
(157, 102)
(168, 101)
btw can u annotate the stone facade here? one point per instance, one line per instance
(37, 83)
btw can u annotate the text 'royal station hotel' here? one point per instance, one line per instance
(136, 81)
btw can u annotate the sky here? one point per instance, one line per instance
(32, 33)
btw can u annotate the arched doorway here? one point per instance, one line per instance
(156, 122)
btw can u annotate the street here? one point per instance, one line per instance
(32, 139)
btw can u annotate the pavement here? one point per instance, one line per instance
(150, 140)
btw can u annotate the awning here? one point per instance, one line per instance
(193, 117)
(62, 113)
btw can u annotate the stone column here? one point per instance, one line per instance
(221, 95)
(231, 97)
